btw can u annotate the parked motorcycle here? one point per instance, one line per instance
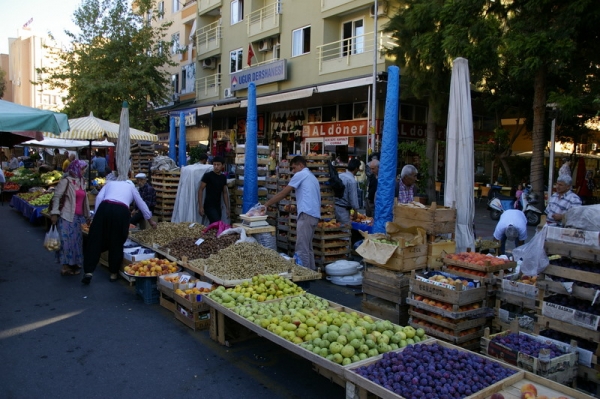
(498, 203)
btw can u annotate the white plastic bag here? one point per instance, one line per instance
(52, 239)
(533, 254)
(242, 233)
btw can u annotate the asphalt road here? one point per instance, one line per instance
(61, 339)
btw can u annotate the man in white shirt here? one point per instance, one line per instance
(511, 226)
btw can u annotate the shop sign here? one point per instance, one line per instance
(335, 141)
(333, 129)
(189, 115)
(416, 132)
(259, 75)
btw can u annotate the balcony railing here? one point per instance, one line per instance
(270, 60)
(208, 86)
(205, 5)
(352, 52)
(264, 19)
(208, 37)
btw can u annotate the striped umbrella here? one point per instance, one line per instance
(92, 128)
(124, 144)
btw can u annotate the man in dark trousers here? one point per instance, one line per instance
(215, 184)
(372, 187)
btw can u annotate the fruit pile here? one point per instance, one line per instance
(529, 280)
(525, 344)
(434, 371)
(576, 265)
(42, 200)
(11, 186)
(445, 305)
(444, 330)
(331, 224)
(572, 302)
(459, 269)
(452, 280)
(476, 259)
(528, 391)
(261, 288)
(151, 267)
(192, 291)
(51, 177)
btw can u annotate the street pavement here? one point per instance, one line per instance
(61, 339)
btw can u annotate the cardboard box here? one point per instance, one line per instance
(562, 369)
(173, 286)
(574, 236)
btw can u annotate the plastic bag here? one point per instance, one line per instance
(52, 239)
(533, 254)
(220, 226)
(242, 233)
(257, 210)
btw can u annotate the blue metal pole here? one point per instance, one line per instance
(182, 158)
(172, 139)
(251, 164)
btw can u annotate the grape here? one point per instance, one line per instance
(462, 374)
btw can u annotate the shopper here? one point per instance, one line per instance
(57, 161)
(13, 163)
(203, 159)
(148, 194)
(110, 227)
(68, 161)
(215, 185)
(70, 209)
(308, 200)
(511, 226)
(561, 201)
(99, 164)
(406, 184)
(349, 202)
(272, 163)
(372, 187)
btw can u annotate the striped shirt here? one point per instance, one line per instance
(405, 193)
(561, 205)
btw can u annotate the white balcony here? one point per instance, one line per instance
(352, 52)
(208, 38)
(208, 86)
(207, 5)
(264, 19)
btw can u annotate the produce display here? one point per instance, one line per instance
(576, 265)
(8, 174)
(451, 280)
(243, 261)
(192, 291)
(361, 218)
(42, 200)
(466, 270)
(563, 337)
(528, 391)
(438, 317)
(261, 288)
(330, 224)
(11, 186)
(99, 181)
(151, 267)
(51, 177)
(525, 344)
(166, 232)
(434, 371)
(26, 177)
(574, 303)
(186, 246)
(477, 259)
(442, 329)
(530, 280)
(445, 305)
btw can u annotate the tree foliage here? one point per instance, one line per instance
(116, 57)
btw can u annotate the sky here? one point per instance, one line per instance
(48, 15)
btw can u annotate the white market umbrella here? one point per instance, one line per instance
(123, 145)
(460, 154)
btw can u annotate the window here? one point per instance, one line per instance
(413, 113)
(175, 41)
(344, 112)
(301, 41)
(161, 10)
(353, 37)
(237, 11)
(236, 58)
(175, 83)
(175, 6)
(361, 110)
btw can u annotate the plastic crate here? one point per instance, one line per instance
(146, 288)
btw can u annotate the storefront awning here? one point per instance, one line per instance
(276, 98)
(204, 110)
(347, 84)
(226, 106)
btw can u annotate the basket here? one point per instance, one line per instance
(146, 288)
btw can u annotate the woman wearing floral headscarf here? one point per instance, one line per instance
(70, 202)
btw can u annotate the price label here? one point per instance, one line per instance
(192, 225)
(200, 241)
(184, 278)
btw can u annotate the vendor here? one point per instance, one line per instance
(405, 190)
(349, 201)
(148, 194)
(561, 201)
(511, 226)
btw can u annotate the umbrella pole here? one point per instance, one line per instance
(89, 168)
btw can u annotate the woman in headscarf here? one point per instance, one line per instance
(70, 209)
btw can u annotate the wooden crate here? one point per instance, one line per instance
(435, 219)
(385, 284)
(193, 319)
(436, 251)
(460, 295)
(406, 259)
(386, 310)
(452, 336)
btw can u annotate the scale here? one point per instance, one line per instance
(254, 221)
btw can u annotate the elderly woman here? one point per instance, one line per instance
(70, 209)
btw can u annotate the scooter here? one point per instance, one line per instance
(528, 200)
(498, 203)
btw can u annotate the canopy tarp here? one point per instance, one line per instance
(62, 143)
(92, 128)
(18, 118)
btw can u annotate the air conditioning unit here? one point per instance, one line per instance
(382, 9)
(227, 93)
(209, 63)
(265, 45)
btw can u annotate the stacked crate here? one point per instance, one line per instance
(515, 300)
(141, 158)
(384, 294)
(165, 183)
(280, 213)
(190, 309)
(240, 165)
(576, 278)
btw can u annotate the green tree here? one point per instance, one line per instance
(2, 82)
(117, 56)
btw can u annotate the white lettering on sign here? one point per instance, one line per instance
(341, 129)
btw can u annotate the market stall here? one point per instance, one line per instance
(32, 212)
